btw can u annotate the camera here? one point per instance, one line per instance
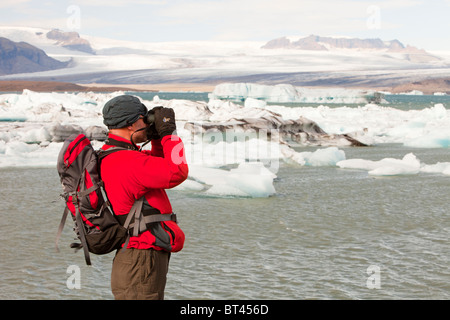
(149, 118)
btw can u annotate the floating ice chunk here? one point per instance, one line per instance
(2, 147)
(205, 175)
(18, 148)
(436, 112)
(321, 157)
(358, 164)
(289, 93)
(385, 167)
(435, 140)
(408, 165)
(254, 103)
(20, 154)
(189, 110)
(324, 157)
(250, 179)
(242, 91)
(290, 155)
(394, 170)
(412, 92)
(190, 185)
(36, 135)
(440, 167)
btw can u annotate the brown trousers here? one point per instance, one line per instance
(139, 274)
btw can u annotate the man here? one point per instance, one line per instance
(139, 272)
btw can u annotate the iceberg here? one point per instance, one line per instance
(286, 93)
(408, 165)
(440, 167)
(249, 179)
(302, 131)
(229, 145)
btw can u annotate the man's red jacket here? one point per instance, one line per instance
(128, 175)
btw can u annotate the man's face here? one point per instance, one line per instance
(140, 136)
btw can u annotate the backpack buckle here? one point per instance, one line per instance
(64, 196)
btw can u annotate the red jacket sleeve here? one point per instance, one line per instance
(165, 167)
(157, 149)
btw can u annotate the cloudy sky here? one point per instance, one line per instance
(425, 24)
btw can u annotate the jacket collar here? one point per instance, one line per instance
(114, 140)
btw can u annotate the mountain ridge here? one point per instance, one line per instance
(319, 43)
(22, 57)
(70, 40)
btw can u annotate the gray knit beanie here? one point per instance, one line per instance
(122, 111)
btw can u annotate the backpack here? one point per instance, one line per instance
(95, 223)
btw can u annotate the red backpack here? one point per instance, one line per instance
(96, 225)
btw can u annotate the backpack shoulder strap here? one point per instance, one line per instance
(103, 153)
(80, 228)
(117, 143)
(61, 227)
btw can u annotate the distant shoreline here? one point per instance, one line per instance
(428, 86)
(166, 87)
(55, 86)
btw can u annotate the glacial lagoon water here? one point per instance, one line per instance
(328, 233)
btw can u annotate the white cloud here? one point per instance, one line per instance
(170, 20)
(119, 3)
(245, 19)
(11, 3)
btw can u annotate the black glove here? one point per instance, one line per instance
(150, 121)
(151, 132)
(164, 121)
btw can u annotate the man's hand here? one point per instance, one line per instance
(164, 121)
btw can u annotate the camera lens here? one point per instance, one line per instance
(149, 118)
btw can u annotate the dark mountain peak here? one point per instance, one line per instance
(22, 57)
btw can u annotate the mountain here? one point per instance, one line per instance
(22, 57)
(318, 43)
(314, 42)
(70, 40)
